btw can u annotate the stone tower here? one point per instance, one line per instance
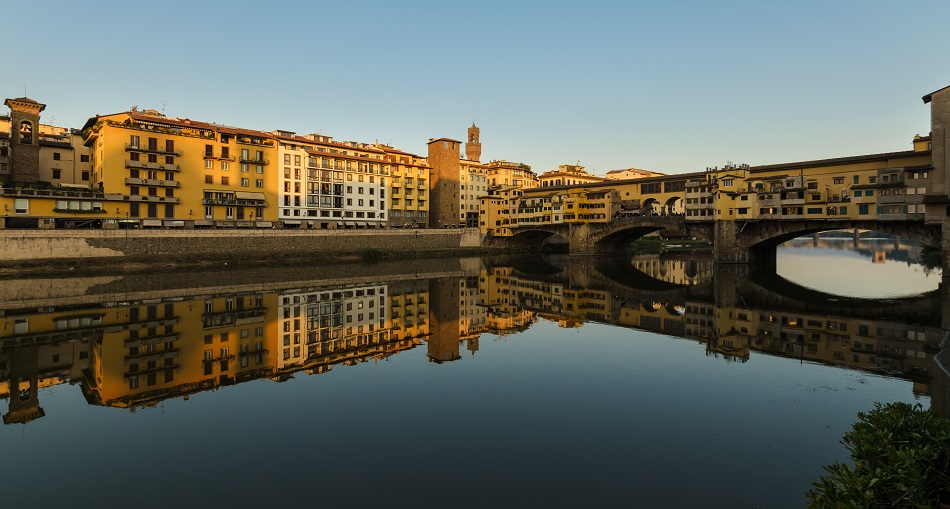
(24, 139)
(473, 147)
(444, 200)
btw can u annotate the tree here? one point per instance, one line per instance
(901, 456)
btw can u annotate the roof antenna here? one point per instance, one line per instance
(163, 106)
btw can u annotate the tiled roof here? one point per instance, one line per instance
(929, 96)
(838, 160)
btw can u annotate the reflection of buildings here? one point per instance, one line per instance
(139, 352)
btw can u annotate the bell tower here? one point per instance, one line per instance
(24, 139)
(473, 147)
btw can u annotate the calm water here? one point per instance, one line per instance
(651, 381)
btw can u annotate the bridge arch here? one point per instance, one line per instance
(771, 238)
(534, 237)
(674, 205)
(650, 206)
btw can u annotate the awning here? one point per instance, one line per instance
(264, 224)
(75, 186)
(244, 224)
(287, 221)
(175, 224)
(349, 223)
(204, 222)
(226, 224)
(361, 223)
(152, 222)
(242, 195)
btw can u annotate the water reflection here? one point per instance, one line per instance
(134, 349)
(889, 266)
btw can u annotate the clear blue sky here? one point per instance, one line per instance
(671, 86)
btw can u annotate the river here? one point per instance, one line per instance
(636, 381)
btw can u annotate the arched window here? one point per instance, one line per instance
(26, 132)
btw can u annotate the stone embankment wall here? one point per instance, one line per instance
(19, 245)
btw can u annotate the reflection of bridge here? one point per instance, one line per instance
(743, 308)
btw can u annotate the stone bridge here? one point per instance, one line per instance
(751, 241)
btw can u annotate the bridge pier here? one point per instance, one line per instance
(727, 247)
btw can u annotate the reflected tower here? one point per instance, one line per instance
(24, 401)
(443, 343)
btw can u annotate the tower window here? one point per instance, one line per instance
(26, 132)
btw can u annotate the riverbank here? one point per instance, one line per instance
(105, 251)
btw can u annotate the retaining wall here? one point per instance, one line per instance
(17, 245)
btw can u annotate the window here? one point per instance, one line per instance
(84, 158)
(57, 174)
(56, 156)
(209, 179)
(245, 183)
(259, 183)
(838, 180)
(224, 181)
(133, 141)
(209, 164)
(21, 206)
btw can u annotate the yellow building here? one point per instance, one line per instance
(182, 172)
(889, 186)
(567, 175)
(503, 173)
(409, 189)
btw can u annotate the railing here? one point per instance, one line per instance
(153, 199)
(152, 166)
(152, 182)
(242, 203)
(156, 149)
(249, 160)
(52, 193)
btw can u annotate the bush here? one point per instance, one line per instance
(901, 456)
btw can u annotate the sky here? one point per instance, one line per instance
(672, 86)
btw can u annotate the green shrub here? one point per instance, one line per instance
(901, 456)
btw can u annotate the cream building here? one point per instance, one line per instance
(327, 184)
(567, 175)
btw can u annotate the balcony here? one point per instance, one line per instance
(152, 182)
(152, 150)
(152, 199)
(235, 202)
(143, 358)
(151, 166)
(253, 160)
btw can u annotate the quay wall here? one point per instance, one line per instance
(21, 245)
